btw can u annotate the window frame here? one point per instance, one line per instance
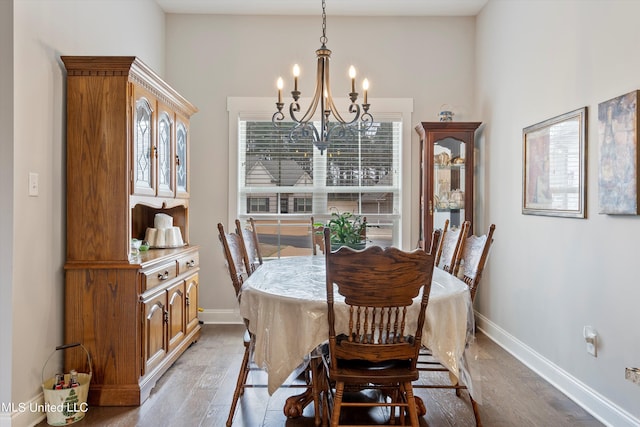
(249, 108)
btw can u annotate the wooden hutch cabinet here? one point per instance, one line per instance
(127, 160)
(446, 175)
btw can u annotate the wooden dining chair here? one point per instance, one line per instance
(474, 258)
(256, 240)
(438, 254)
(317, 237)
(452, 247)
(376, 346)
(232, 247)
(435, 241)
(238, 264)
(251, 249)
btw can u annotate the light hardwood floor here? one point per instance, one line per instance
(197, 391)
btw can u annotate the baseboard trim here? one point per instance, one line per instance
(590, 400)
(24, 414)
(220, 316)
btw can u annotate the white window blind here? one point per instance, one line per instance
(358, 174)
(285, 182)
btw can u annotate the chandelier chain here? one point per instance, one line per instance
(323, 39)
(358, 122)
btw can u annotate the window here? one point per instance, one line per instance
(362, 174)
(258, 204)
(302, 204)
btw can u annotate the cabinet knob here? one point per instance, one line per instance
(163, 276)
(177, 160)
(191, 264)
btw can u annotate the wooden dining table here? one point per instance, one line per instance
(285, 304)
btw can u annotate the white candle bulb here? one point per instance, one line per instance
(352, 74)
(280, 85)
(365, 86)
(296, 73)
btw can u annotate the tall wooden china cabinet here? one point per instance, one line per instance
(446, 175)
(127, 160)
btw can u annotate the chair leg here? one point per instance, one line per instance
(327, 402)
(328, 397)
(411, 401)
(337, 404)
(422, 410)
(397, 398)
(476, 411)
(316, 378)
(242, 379)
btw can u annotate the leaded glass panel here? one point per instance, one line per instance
(143, 145)
(164, 153)
(181, 157)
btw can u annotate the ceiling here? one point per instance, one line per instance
(333, 7)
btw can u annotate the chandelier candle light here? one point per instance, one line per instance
(303, 127)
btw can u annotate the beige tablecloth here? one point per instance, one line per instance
(285, 303)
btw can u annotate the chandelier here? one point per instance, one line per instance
(358, 121)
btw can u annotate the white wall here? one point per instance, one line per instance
(44, 30)
(548, 277)
(6, 193)
(214, 57)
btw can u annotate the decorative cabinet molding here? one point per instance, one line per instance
(127, 160)
(446, 175)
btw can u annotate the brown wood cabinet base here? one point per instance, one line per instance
(136, 394)
(133, 334)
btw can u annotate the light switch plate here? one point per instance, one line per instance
(34, 189)
(591, 338)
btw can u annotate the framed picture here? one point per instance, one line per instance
(554, 166)
(618, 143)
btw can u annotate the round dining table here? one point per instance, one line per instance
(284, 301)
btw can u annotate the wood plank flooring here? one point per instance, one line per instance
(197, 391)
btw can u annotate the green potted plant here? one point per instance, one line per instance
(347, 229)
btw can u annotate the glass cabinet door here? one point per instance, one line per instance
(143, 148)
(165, 159)
(449, 182)
(182, 189)
(446, 181)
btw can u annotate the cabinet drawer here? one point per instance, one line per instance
(188, 262)
(159, 275)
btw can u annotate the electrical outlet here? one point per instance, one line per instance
(633, 375)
